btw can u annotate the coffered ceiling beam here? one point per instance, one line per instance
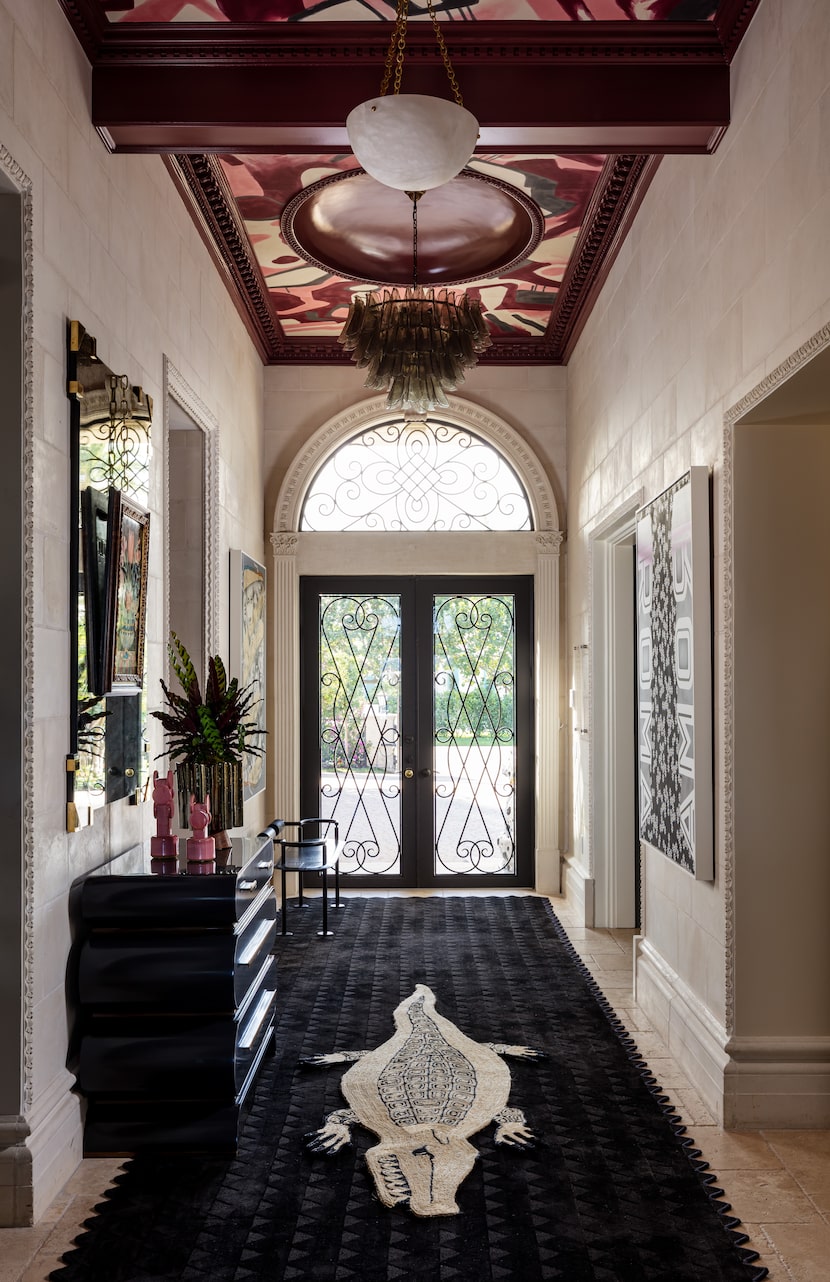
(529, 84)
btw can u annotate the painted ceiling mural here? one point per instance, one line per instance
(578, 157)
(309, 302)
(367, 10)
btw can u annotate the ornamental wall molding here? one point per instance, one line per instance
(550, 543)
(371, 413)
(805, 353)
(284, 544)
(177, 388)
(23, 185)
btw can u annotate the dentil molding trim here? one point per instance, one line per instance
(23, 185)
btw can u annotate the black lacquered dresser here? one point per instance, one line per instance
(174, 987)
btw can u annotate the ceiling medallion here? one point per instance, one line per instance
(472, 228)
(416, 342)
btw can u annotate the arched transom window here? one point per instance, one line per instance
(425, 475)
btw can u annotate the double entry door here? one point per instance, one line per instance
(417, 726)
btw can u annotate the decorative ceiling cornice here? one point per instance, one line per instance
(619, 192)
(87, 20)
(731, 21)
(621, 187)
(353, 43)
(203, 186)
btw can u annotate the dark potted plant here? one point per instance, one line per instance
(207, 737)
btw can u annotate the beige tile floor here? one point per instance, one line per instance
(778, 1182)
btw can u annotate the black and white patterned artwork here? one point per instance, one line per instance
(674, 674)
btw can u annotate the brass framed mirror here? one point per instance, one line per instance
(109, 543)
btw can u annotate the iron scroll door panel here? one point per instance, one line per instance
(417, 726)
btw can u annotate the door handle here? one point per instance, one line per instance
(426, 773)
(407, 774)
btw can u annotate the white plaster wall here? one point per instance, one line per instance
(726, 272)
(115, 249)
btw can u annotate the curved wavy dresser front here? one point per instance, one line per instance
(175, 990)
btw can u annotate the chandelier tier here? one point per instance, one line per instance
(415, 343)
(412, 141)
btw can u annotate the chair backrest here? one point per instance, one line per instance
(273, 829)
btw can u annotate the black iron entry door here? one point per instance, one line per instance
(417, 726)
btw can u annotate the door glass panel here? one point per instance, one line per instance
(474, 734)
(360, 784)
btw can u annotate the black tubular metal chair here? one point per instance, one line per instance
(312, 845)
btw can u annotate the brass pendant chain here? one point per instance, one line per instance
(414, 196)
(397, 48)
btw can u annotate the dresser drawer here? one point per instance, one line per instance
(254, 1022)
(253, 943)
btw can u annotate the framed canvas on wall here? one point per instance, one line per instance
(674, 674)
(247, 652)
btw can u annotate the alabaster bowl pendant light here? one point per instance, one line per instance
(416, 344)
(412, 141)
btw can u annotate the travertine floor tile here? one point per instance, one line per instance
(736, 1151)
(769, 1197)
(804, 1250)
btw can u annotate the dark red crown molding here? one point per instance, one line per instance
(731, 22)
(610, 213)
(205, 191)
(89, 23)
(620, 189)
(328, 43)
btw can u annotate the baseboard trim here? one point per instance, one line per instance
(55, 1144)
(778, 1083)
(691, 1032)
(547, 871)
(579, 892)
(747, 1083)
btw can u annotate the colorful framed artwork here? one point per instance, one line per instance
(128, 549)
(674, 674)
(247, 652)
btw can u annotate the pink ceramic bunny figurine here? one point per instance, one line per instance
(200, 847)
(164, 845)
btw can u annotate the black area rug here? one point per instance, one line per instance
(613, 1193)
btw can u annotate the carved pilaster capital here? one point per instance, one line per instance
(284, 544)
(549, 542)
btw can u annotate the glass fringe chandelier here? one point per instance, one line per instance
(416, 343)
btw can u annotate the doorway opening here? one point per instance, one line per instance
(192, 501)
(417, 726)
(614, 845)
